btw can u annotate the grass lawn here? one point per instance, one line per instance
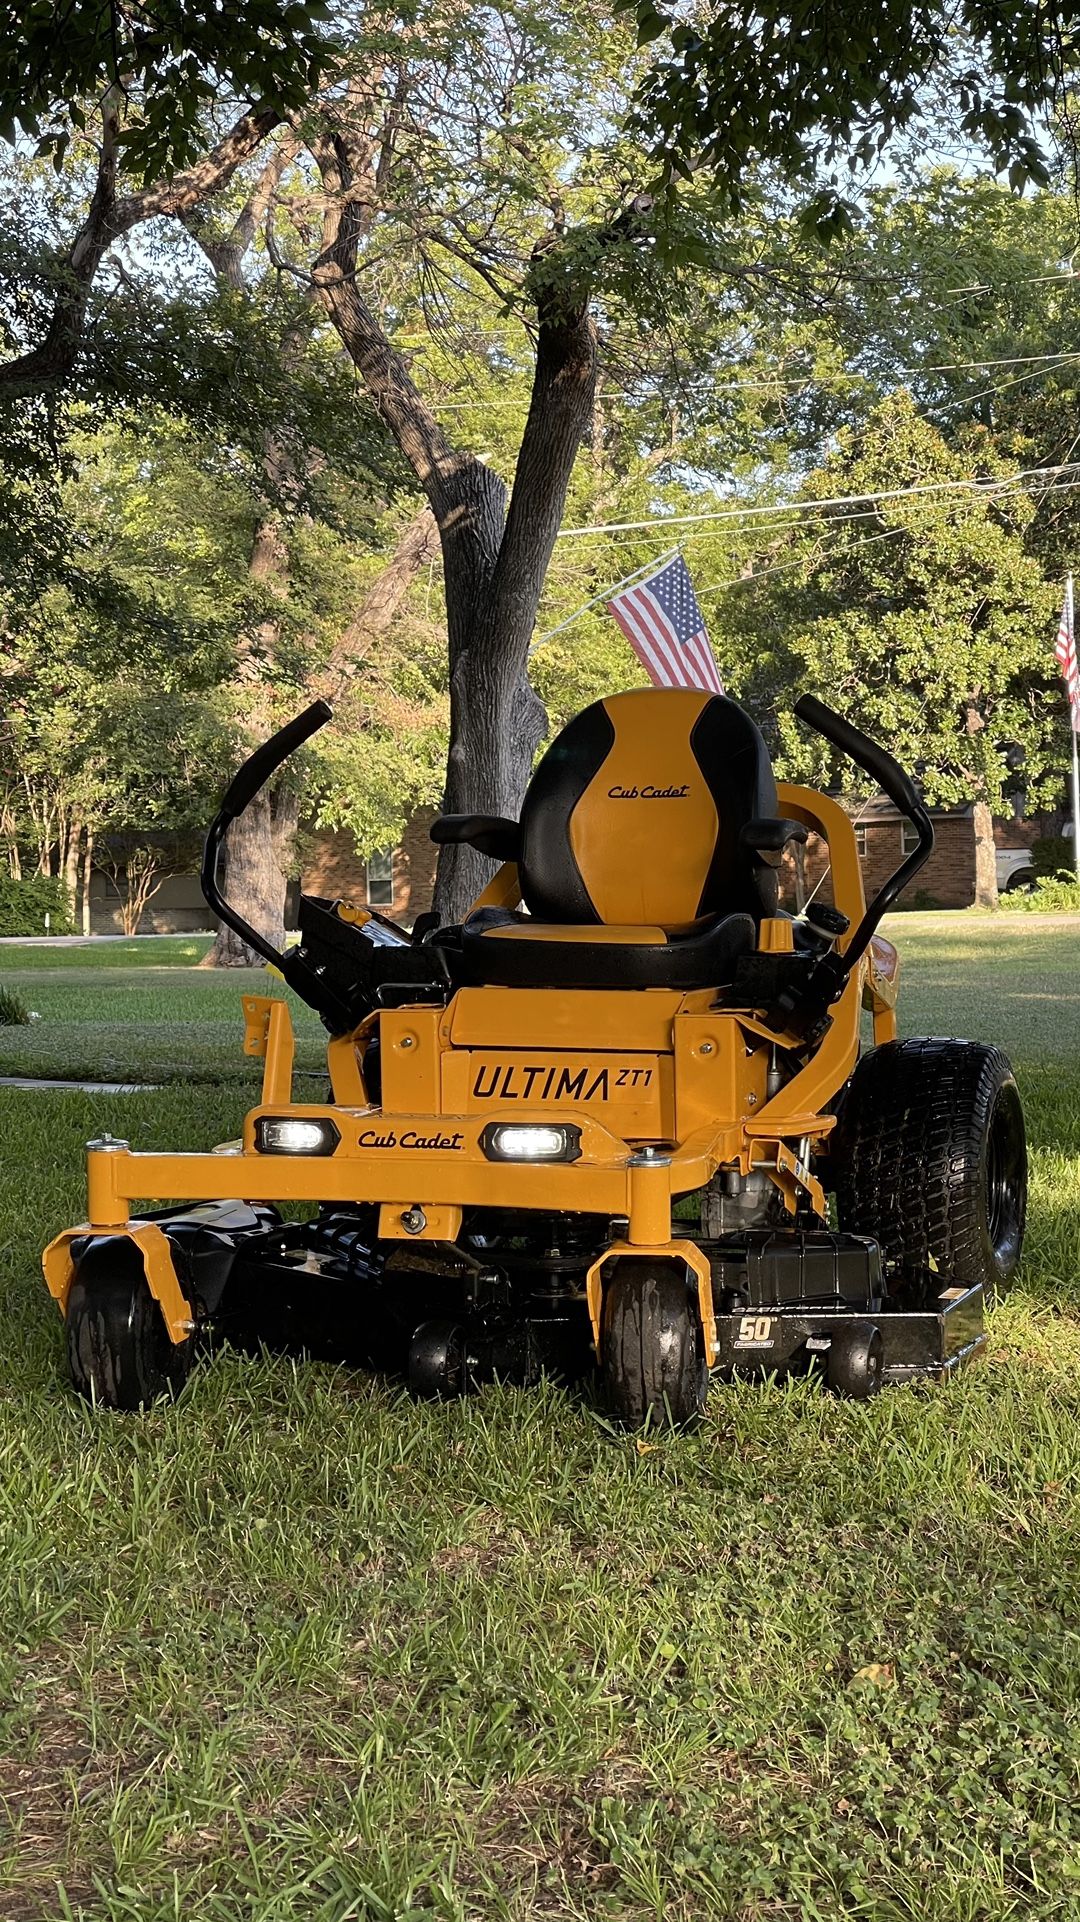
(137, 1010)
(297, 1648)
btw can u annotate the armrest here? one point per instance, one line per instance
(772, 837)
(487, 833)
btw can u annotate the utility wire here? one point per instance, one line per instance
(987, 488)
(803, 383)
(765, 573)
(841, 520)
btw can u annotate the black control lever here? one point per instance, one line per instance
(239, 794)
(828, 978)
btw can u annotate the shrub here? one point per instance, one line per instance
(14, 1012)
(921, 902)
(24, 905)
(1051, 856)
(1054, 894)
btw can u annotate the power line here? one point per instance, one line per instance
(841, 520)
(987, 488)
(1048, 363)
(764, 573)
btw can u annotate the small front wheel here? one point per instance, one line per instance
(118, 1348)
(855, 1361)
(438, 1362)
(652, 1347)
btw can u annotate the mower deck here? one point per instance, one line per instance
(449, 1318)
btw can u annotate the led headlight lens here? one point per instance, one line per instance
(295, 1135)
(531, 1141)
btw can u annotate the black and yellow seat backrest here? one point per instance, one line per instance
(634, 815)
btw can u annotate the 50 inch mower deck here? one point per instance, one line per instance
(523, 1107)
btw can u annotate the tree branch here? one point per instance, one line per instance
(399, 403)
(226, 253)
(47, 366)
(376, 612)
(178, 195)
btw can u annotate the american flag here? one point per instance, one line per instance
(663, 624)
(1065, 650)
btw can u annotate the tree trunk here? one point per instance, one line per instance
(494, 573)
(86, 878)
(986, 888)
(489, 760)
(256, 882)
(71, 849)
(496, 725)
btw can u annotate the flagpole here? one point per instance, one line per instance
(645, 568)
(1073, 718)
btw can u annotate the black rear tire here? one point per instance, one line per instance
(930, 1159)
(652, 1349)
(118, 1348)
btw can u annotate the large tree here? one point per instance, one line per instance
(479, 150)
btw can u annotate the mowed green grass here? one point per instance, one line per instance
(137, 1011)
(297, 1647)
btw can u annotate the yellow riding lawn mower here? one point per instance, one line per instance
(600, 1119)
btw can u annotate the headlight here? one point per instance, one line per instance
(531, 1141)
(295, 1135)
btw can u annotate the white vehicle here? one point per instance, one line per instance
(1015, 870)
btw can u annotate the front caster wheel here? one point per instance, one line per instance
(652, 1349)
(438, 1361)
(855, 1362)
(118, 1348)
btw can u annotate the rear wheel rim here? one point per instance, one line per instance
(1005, 1179)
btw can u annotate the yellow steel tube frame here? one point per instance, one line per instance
(608, 1179)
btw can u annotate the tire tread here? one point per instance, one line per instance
(907, 1151)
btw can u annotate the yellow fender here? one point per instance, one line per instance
(157, 1261)
(685, 1251)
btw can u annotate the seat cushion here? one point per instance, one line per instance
(499, 949)
(524, 928)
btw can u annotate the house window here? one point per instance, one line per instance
(860, 842)
(380, 879)
(909, 838)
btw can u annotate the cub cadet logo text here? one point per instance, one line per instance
(555, 1084)
(410, 1139)
(648, 793)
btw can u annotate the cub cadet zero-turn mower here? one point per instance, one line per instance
(519, 1103)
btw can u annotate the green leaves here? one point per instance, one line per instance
(923, 618)
(171, 64)
(803, 85)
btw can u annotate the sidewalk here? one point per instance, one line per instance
(95, 940)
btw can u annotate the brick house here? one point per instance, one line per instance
(399, 883)
(884, 838)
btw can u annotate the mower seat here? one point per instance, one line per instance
(646, 852)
